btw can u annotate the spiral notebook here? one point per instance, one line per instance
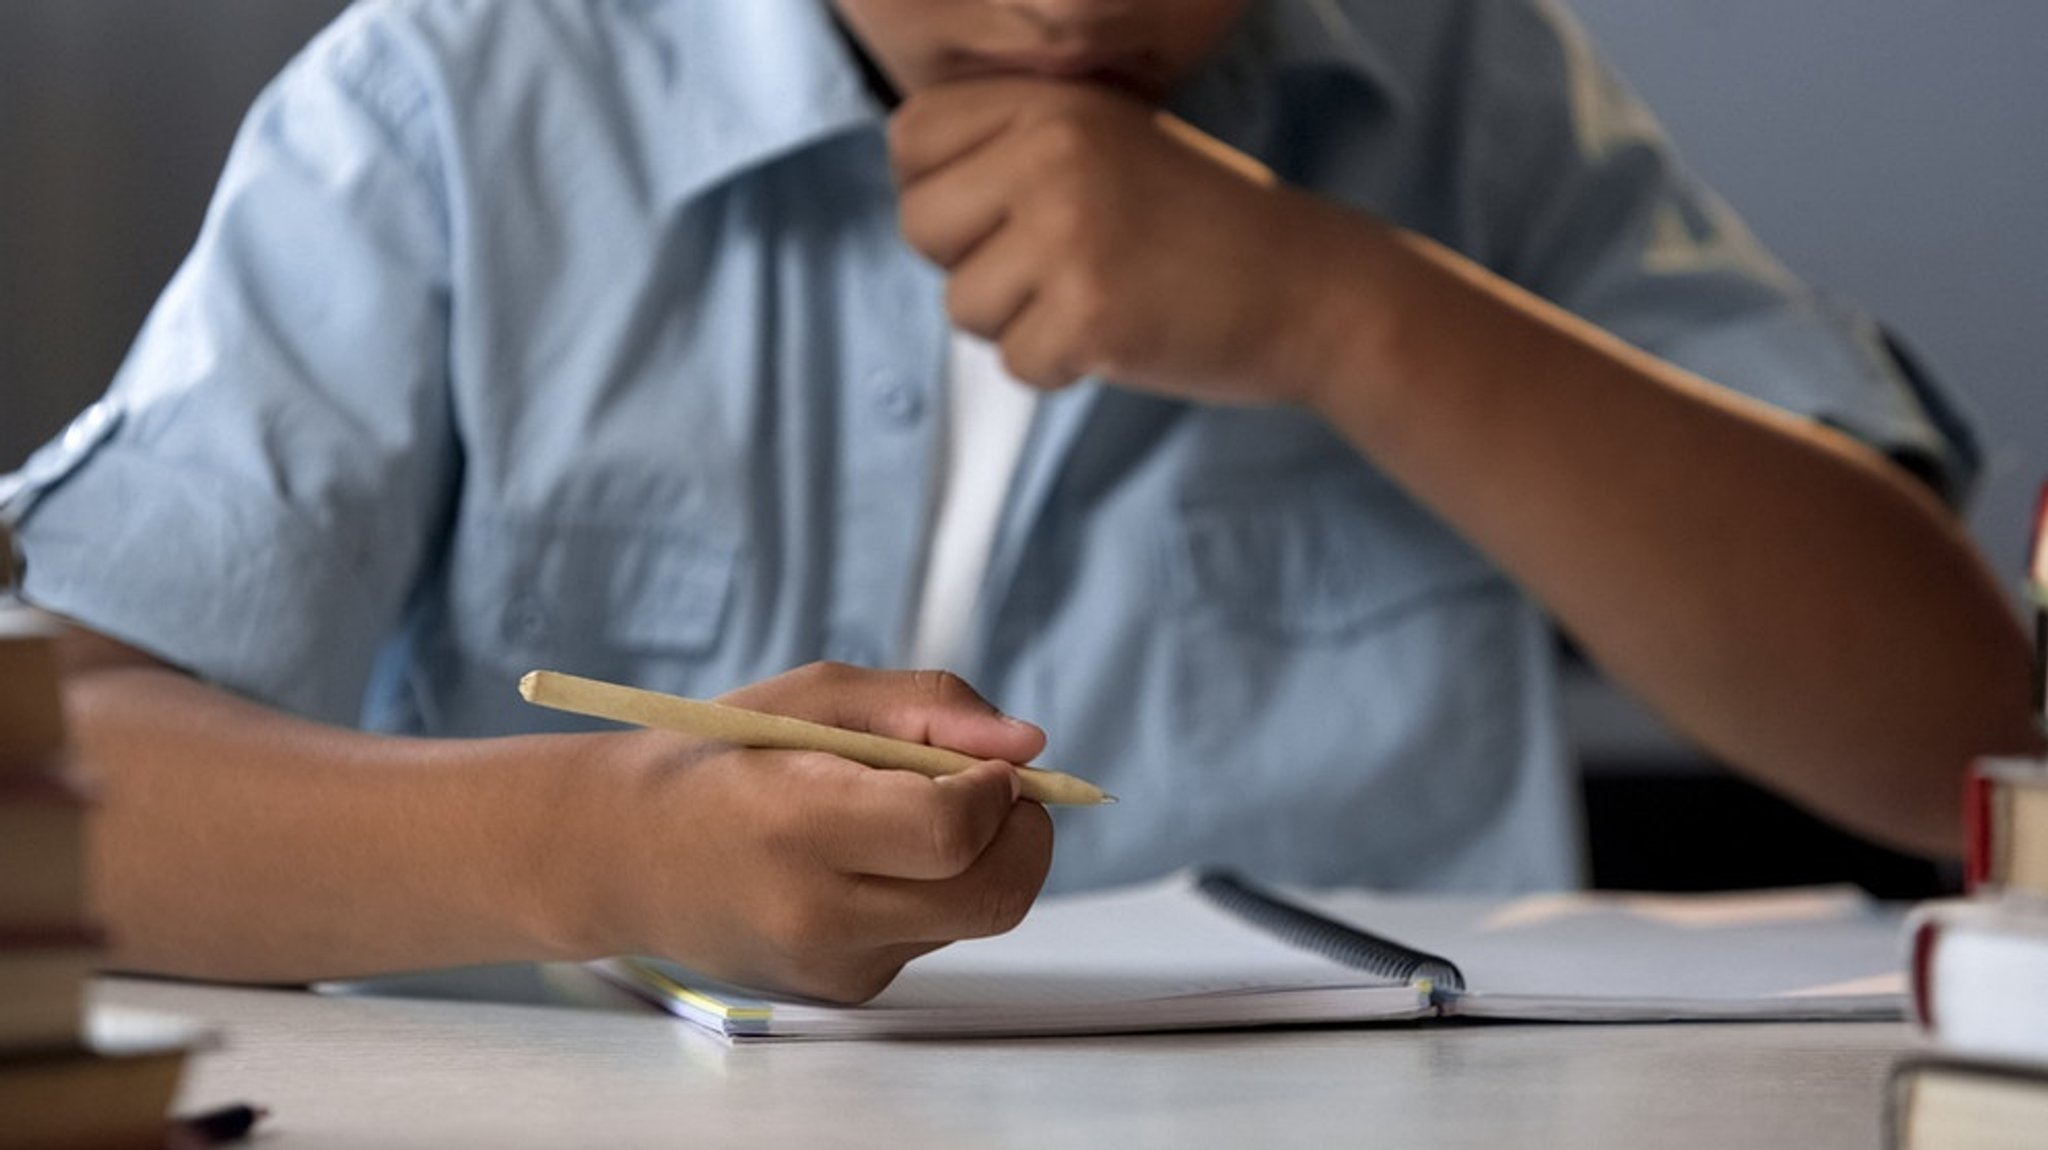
(1211, 950)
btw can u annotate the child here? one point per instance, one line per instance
(1250, 449)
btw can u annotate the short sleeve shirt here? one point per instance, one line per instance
(583, 336)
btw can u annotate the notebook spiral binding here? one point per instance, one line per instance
(1337, 941)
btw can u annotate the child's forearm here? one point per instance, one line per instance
(1780, 592)
(235, 843)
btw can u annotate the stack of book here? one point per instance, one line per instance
(1980, 965)
(69, 1075)
(1980, 981)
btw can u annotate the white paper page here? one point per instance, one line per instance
(1159, 956)
(1811, 953)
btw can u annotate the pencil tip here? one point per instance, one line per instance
(1108, 800)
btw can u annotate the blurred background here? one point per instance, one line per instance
(1892, 151)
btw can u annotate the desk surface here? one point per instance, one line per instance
(597, 1069)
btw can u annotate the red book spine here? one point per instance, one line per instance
(49, 782)
(1980, 792)
(1926, 939)
(60, 936)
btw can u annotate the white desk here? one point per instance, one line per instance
(606, 1072)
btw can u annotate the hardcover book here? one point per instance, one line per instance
(1942, 1103)
(2007, 831)
(1980, 976)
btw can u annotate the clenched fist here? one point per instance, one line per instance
(1087, 233)
(806, 873)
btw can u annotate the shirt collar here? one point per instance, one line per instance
(1318, 35)
(757, 79)
(1236, 95)
(763, 78)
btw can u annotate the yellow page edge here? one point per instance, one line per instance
(722, 1009)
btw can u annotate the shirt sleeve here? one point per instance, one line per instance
(1588, 206)
(254, 496)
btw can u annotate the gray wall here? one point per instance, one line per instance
(115, 116)
(1891, 150)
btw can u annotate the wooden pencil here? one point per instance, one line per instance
(574, 693)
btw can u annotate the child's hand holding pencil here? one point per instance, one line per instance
(751, 841)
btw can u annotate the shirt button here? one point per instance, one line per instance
(897, 399)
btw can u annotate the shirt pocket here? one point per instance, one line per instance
(1319, 554)
(600, 598)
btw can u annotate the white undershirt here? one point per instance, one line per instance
(988, 415)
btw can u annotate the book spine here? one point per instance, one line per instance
(1337, 941)
(1978, 977)
(1926, 940)
(31, 706)
(2037, 592)
(1979, 827)
(56, 936)
(2040, 594)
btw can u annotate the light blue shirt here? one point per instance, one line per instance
(581, 335)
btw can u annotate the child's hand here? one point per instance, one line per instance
(1089, 234)
(810, 874)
